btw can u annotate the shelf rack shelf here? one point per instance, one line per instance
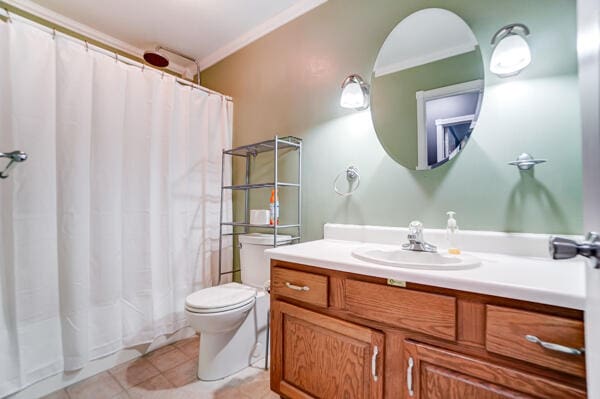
(276, 145)
(261, 226)
(281, 143)
(260, 185)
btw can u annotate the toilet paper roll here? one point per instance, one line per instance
(259, 216)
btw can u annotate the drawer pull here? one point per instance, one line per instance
(555, 347)
(297, 287)
(409, 377)
(374, 363)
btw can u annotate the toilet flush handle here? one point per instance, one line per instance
(297, 287)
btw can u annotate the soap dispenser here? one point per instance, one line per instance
(452, 234)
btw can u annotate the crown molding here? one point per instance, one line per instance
(299, 8)
(291, 13)
(84, 30)
(425, 59)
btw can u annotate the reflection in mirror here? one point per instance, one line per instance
(427, 88)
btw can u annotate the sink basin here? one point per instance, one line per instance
(394, 256)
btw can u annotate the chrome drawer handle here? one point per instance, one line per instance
(374, 363)
(409, 377)
(555, 347)
(297, 287)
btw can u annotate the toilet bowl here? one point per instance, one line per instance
(232, 331)
(231, 319)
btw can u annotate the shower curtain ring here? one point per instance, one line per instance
(8, 17)
(53, 33)
(162, 75)
(87, 46)
(143, 67)
(116, 57)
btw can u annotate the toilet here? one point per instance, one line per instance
(231, 319)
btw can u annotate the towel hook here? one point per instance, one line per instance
(14, 156)
(526, 161)
(352, 175)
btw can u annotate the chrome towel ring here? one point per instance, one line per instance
(352, 176)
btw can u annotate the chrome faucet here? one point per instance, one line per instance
(415, 239)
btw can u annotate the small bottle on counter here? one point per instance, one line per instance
(452, 234)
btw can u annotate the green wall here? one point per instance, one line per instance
(288, 83)
(394, 103)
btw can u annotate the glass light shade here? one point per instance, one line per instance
(355, 93)
(510, 56)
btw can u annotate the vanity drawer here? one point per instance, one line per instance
(306, 287)
(507, 329)
(431, 314)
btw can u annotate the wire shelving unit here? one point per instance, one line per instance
(277, 145)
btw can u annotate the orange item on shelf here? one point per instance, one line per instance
(274, 207)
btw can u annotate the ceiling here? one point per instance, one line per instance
(207, 30)
(435, 34)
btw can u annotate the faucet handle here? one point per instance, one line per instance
(415, 227)
(415, 230)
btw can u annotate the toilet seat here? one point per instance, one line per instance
(220, 298)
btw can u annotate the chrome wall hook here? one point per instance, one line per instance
(15, 157)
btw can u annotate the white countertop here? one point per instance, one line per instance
(535, 279)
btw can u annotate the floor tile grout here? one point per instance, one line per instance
(178, 380)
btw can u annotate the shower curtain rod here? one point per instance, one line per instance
(113, 54)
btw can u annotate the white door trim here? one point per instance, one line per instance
(442, 135)
(440, 92)
(588, 51)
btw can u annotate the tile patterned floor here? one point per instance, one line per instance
(168, 373)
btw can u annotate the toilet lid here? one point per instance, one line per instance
(220, 298)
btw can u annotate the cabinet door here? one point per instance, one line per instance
(317, 356)
(433, 373)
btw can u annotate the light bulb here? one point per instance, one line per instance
(510, 56)
(352, 96)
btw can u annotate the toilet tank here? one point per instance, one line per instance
(253, 261)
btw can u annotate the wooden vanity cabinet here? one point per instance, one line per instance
(433, 373)
(342, 335)
(324, 357)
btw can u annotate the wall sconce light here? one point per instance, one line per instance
(355, 93)
(511, 52)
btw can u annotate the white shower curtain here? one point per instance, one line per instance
(114, 218)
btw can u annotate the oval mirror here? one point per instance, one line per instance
(427, 88)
